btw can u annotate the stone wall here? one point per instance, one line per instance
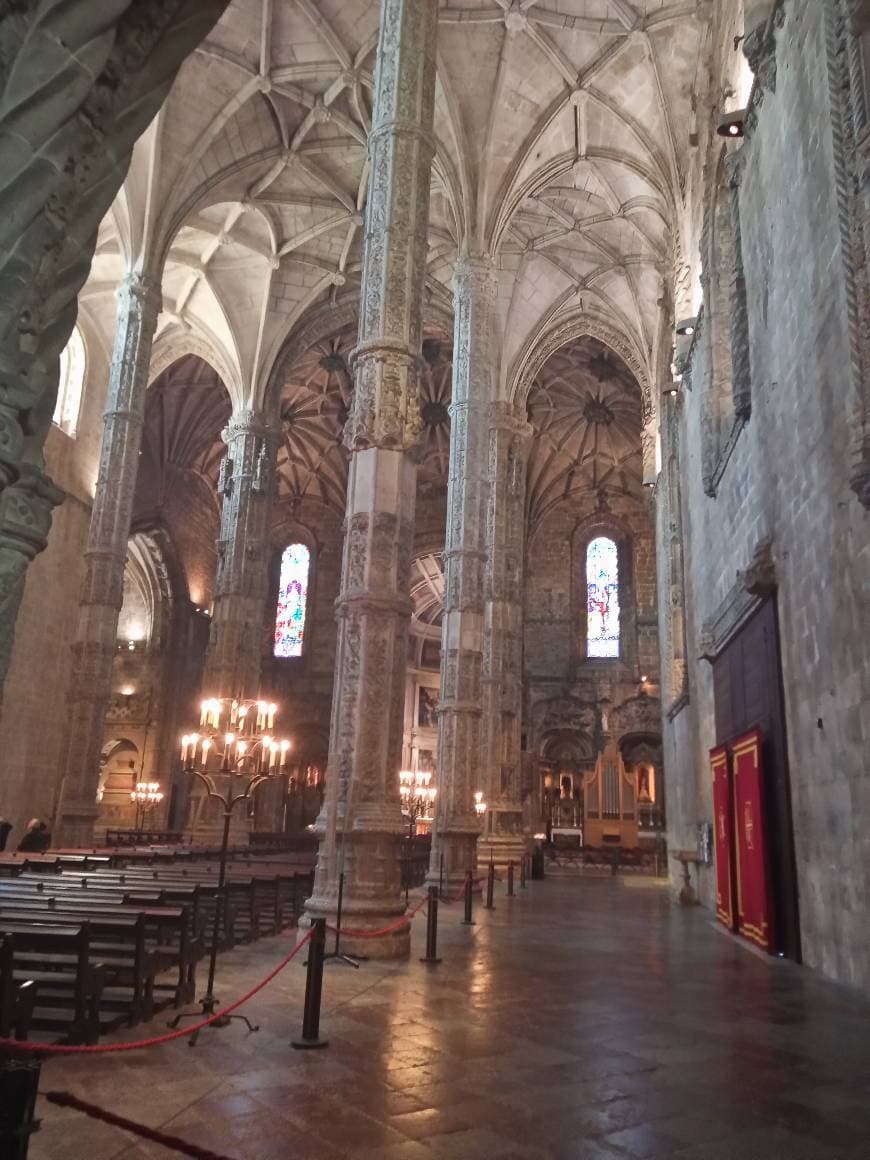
(787, 483)
(34, 701)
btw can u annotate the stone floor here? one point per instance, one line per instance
(582, 1020)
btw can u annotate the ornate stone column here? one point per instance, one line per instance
(360, 825)
(105, 557)
(247, 483)
(457, 826)
(25, 519)
(233, 661)
(504, 834)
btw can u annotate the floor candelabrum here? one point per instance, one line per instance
(146, 797)
(234, 751)
(418, 796)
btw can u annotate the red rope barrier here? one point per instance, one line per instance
(405, 920)
(65, 1100)
(15, 1045)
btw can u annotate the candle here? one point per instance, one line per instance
(206, 746)
(272, 711)
(185, 745)
(285, 746)
(203, 713)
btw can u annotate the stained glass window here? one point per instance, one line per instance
(602, 598)
(292, 599)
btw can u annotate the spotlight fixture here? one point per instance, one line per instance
(686, 327)
(732, 125)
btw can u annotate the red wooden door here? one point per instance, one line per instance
(755, 917)
(723, 827)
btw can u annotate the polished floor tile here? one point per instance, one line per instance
(581, 1020)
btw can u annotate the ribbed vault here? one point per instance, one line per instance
(585, 408)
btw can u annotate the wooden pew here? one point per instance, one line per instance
(58, 959)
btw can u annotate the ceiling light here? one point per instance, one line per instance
(732, 125)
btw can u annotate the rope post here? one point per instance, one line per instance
(523, 871)
(469, 884)
(19, 1080)
(431, 955)
(441, 876)
(490, 886)
(510, 884)
(313, 990)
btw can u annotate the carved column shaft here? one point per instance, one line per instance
(234, 657)
(502, 684)
(25, 518)
(360, 825)
(247, 482)
(105, 557)
(457, 825)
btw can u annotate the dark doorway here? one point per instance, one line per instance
(747, 686)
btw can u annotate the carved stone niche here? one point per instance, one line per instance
(752, 586)
(639, 715)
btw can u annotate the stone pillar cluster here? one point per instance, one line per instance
(247, 483)
(360, 825)
(505, 828)
(235, 647)
(457, 825)
(105, 557)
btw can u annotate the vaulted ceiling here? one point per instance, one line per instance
(564, 132)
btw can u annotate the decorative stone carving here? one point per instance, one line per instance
(751, 586)
(25, 518)
(360, 824)
(845, 28)
(105, 557)
(66, 134)
(539, 347)
(501, 677)
(457, 825)
(638, 715)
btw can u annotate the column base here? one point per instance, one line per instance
(372, 898)
(459, 851)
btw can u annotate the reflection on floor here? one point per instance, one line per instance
(581, 1020)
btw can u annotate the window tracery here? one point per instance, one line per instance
(292, 601)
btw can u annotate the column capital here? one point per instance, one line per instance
(25, 511)
(141, 293)
(474, 274)
(505, 416)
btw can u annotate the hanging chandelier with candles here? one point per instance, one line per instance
(235, 737)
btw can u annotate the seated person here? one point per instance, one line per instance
(37, 838)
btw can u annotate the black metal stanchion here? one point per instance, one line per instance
(490, 887)
(469, 886)
(523, 871)
(310, 1036)
(335, 956)
(510, 880)
(19, 1080)
(431, 955)
(441, 876)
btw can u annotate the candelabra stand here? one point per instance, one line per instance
(146, 797)
(243, 751)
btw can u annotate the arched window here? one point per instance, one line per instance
(602, 598)
(70, 384)
(292, 601)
